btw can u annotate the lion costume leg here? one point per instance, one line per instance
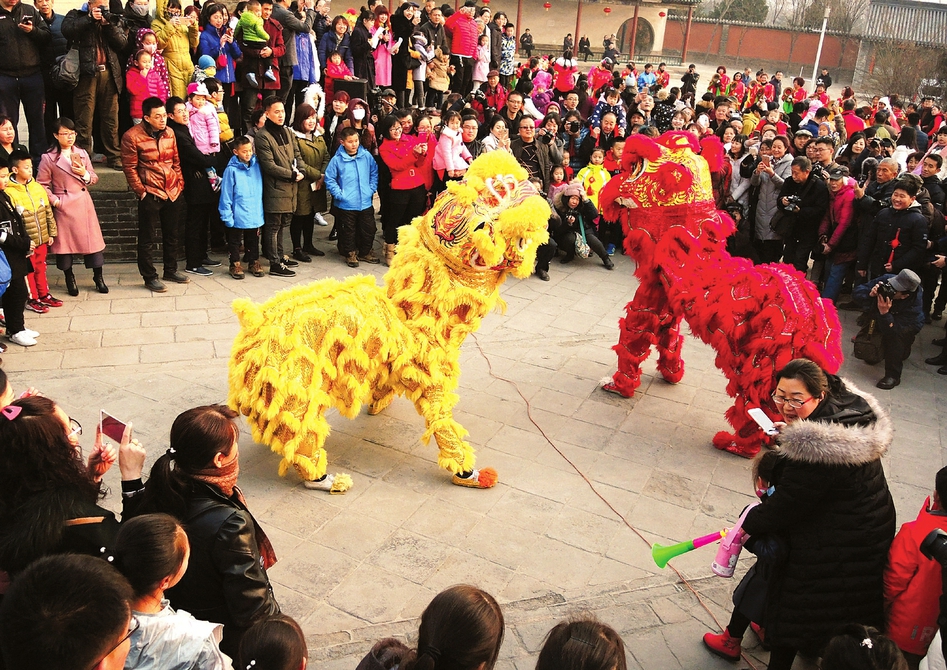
(454, 453)
(669, 342)
(381, 398)
(637, 332)
(750, 387)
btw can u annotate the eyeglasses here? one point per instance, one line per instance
(133, 625)
(66, 134)
(76, 427)
(792, 402)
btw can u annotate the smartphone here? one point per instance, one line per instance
(762, 420)
(27, 20)
(110, 426)
(767, 159)
(233, 22)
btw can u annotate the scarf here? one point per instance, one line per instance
(225, 480)
(278, 132)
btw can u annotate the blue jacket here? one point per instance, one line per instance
(210, 46)
(307, 65)
(330, 43)
(352, 180)
(241, 195)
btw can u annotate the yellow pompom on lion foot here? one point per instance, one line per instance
(346, 343)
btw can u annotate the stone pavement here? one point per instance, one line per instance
(362, 566)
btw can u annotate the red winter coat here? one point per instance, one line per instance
(407, 167)
(913, 584)
(463, 34)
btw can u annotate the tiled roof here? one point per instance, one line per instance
(924, 22)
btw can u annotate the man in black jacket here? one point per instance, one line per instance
(897, 237)
(899, 316)
(199, 195)
(804, 199)
(23, 35)
(930, 171)
(100, 37)
(532, 155)
(58, 101)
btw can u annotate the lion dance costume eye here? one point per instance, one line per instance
(344, 343)
(757, 318)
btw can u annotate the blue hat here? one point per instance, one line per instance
(205, 62)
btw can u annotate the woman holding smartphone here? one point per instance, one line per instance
(66, 173)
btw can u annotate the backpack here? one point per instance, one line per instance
(6, 274)
(65, 71)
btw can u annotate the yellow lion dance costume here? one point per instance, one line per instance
(341, 343)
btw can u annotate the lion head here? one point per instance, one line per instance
(492, 221)
(665, 172)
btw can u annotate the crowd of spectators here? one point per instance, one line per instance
(232, 128)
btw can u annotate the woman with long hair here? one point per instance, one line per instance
(853, 154)
(195, 481)
(66, 172)
(48, 495)
(461, 629)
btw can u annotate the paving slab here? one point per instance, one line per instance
(577, 466)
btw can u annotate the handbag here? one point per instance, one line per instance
(65, 71)
(868, 345)
(782, 223)
(581, 246)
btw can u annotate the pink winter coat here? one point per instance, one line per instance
(205, 128)
(451, 154)
(838, 219)
(76, 221)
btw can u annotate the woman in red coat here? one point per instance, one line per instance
(66, 173)
(406, 156)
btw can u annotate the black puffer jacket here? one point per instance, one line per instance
(875, 241)
(225, 581)
(88, 35)
(194, 164)
(833, 510)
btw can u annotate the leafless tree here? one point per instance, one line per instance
(899, 67)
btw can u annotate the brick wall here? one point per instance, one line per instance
(118, 217)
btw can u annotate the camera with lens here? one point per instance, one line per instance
(546, 137)
(574, 126)
(886, 290)
(934, 546)
(884, 203)
(792, 203)
(478, 95)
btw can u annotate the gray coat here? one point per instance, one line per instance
(292, 24)
(769, 195)
(276, 164)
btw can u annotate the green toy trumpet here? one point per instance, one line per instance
(662, 554)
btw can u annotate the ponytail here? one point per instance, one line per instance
(197, 436)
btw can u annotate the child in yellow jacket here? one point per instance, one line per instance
(594, 175)
(32, 202)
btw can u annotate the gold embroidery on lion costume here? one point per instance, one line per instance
(343, 343)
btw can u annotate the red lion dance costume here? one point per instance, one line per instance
(757, 318)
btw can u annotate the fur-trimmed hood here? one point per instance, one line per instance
(832, 443)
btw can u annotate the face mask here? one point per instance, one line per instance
(140, 10)
(150, 48)
(358, 114)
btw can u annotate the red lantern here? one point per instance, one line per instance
(607, 10)
(547, 5)
(486, 2)
(661, 14)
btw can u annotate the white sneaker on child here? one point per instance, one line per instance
(252, 79)
(30, 333)
(321, 220)
(269, 74)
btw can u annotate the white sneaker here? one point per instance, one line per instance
(321, 220)
(22, 339)
(30, 333)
